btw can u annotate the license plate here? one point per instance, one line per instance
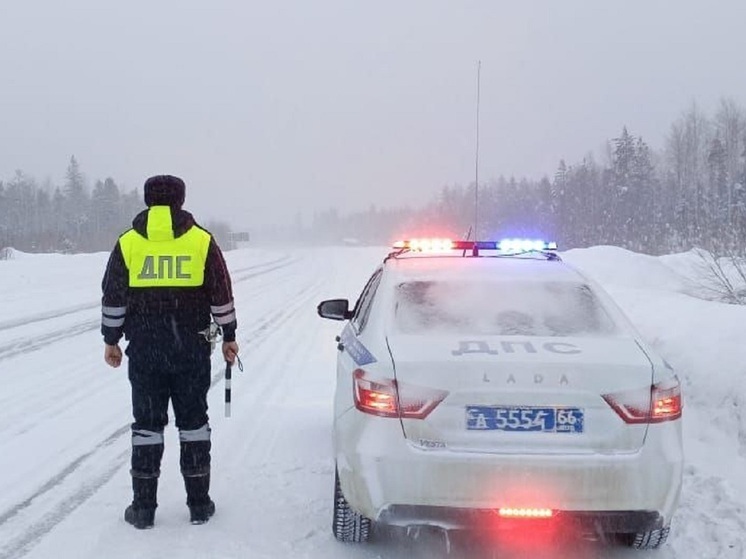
(524, 419)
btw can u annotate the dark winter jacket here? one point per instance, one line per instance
(166, 315)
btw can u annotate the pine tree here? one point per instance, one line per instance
(739, 207)
(19, 199)
(643, 202)
(59, 229)
(622, 187)
(43, 221)
(106, 221)
(557, 202)
(76, 204)
(718, 191)
(586, 192)
(730, 125)
(4, 240)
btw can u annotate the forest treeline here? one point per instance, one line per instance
(688, 193)
(70, 217)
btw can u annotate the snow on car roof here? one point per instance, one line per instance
(485, 267)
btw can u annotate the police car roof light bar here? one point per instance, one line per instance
(445, 245)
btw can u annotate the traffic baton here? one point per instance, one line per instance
(228, 367)
(227, 389)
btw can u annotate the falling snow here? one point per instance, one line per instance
(64, 417)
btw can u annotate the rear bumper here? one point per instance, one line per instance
(388, 479)
(590, 522)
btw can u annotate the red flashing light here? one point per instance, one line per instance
(508, 512)
(661, 402)
(387, 398)
(426, 245)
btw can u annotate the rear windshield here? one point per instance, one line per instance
(501, 308)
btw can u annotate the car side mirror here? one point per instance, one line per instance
(335, 309)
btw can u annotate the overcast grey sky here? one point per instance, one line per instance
(271, 108)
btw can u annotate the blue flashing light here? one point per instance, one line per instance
(525, 245)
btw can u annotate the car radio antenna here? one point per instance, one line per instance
(476, 159)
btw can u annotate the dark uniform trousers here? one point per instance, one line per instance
(160, 371)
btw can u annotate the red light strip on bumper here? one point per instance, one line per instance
(525, 513)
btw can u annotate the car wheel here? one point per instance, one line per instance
(647, 540)
(348, 525)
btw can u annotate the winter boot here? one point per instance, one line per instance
(199, 514)
(201, 507)
(195, 467)
(139, 518)
(141, 513)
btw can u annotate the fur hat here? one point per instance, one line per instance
(164, 190)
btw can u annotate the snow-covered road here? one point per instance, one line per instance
(64, 417)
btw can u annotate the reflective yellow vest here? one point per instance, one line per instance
(162, 260)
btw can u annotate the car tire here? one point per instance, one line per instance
(348, 526)
(647, 540)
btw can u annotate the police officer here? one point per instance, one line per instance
(165, 279)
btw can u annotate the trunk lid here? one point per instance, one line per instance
(516, 394)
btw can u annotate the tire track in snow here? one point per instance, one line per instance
(8, 324)
(16, 422)
(258, 451)
(24, 537)
(25, 345)
(269, 266)
(267, 324)
(59, 313)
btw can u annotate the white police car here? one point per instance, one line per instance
(488, 384)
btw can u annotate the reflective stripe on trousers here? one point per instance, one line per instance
(195, 435)
(143, 437)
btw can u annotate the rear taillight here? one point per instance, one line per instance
(387, 398)
(375, 397)
(661, 402)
